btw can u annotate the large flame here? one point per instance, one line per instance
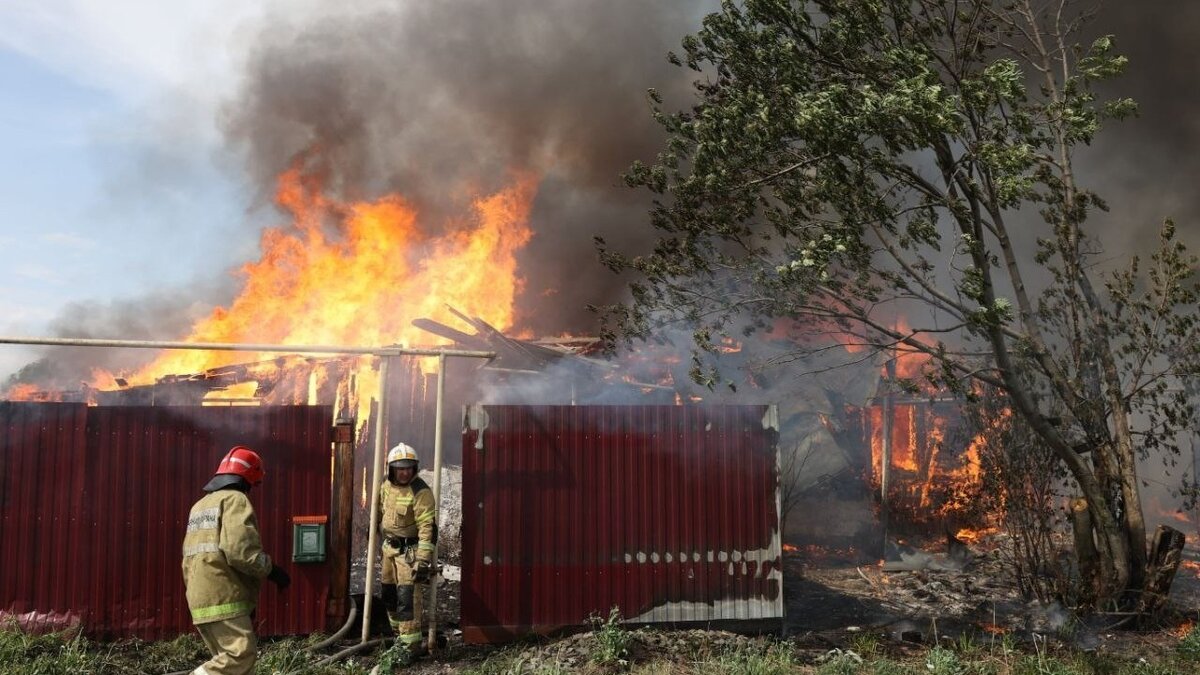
(359, 273)
(932, 477)
(347, 274)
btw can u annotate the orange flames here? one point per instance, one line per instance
(27, 392)
(928, 477)
(1191, 566)
(969, 536)
(359, 273)
(355, 274)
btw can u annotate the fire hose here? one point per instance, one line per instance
(332, 639)
(362, 646)
(341, 632)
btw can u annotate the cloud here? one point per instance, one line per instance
(38, 272)
(17, 313)
(68, 240)
(123, 46)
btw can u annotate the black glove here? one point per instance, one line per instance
(421, 571)
(279, 577)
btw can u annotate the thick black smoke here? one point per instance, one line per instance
(441, 100)
(159, 315)
(1147, 168)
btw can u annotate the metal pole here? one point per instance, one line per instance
(373, 531)
(241, 347)
(437, 495)
(885, 451)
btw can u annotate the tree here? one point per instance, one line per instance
(850, 161)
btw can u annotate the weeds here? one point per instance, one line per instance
(942, 661)
(889, 667)
(761, 658)
(1004, 647)
(866, 645)
(52, 654)
(502, 662)
(611, 648)
(838, 662)
(283, 656)
(965, 645)
(612, 640)
(1043, 664)
(168, 656)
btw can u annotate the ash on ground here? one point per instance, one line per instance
(927, 595)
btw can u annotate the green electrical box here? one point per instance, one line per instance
(308, 538)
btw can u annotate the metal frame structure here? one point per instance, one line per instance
(385, 354)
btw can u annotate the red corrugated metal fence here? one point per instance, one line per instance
(94, 502)
(670, 513)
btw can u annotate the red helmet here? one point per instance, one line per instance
(244, 462)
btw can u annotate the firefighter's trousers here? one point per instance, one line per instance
(233, 646)
(405, 600)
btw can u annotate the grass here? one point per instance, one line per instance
(767, 658)
(1189, 647)
(612, 648)
(69, 654)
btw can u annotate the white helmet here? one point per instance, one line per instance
(402, 456)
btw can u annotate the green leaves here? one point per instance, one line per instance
(848, 162)
(1100, 63)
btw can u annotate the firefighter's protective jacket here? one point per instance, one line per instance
(407, 512)
(223, 560)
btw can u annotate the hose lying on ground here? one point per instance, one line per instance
(341, 655)
(341, 632)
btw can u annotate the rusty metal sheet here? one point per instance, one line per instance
(669, 513)
(94, 503)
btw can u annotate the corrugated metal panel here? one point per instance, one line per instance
(670, 513)
(94, 501)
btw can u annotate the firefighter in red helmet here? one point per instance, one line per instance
(406, 522)
(224, 564)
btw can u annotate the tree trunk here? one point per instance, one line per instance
(1133, 520)
(1114, 572)
(1113, 577)
(1166, 551)
(1085, 549)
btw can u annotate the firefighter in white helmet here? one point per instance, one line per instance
(224, 564)
(406, 524)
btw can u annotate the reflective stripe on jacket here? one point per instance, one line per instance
(223, 560)
(408, 511)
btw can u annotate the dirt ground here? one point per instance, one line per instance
(831, 603)
(922, 597)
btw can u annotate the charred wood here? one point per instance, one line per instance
(1085, 548)
(1166, 552)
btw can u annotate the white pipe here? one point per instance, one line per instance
(437, 496)
(373, 531)
(241, 347)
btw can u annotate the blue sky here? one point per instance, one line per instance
(113, 181)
